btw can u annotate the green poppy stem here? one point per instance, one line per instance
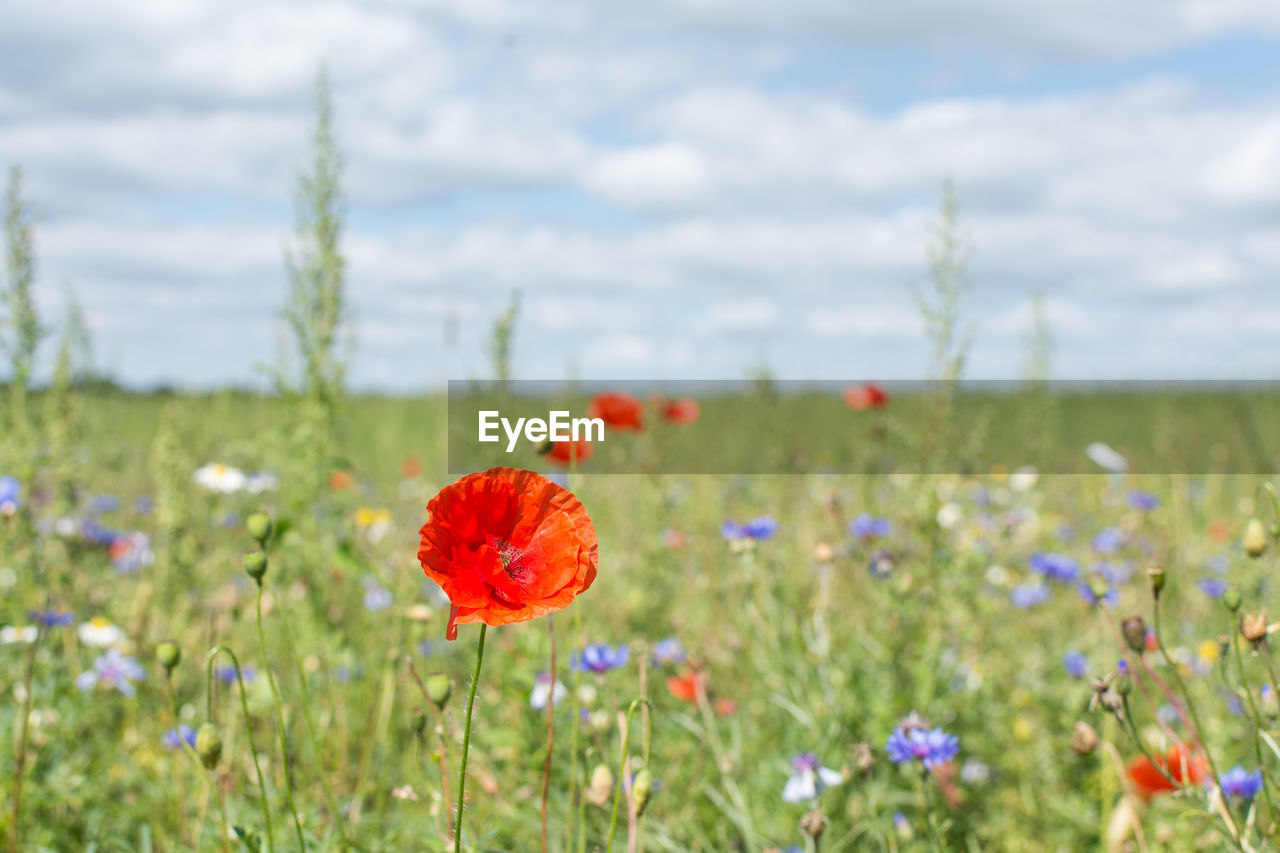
(466, 742)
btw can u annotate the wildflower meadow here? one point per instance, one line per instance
(278, 621)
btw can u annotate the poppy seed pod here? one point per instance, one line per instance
(255, 565)
(168, 654)
(439, 688)
(208, 745)
(1156, 573)
(600, 787)
(259, 526)
(1134, 630)
(1255, 538)
(642, 789)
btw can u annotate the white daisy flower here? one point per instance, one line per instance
(99, 632)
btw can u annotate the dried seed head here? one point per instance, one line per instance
(814, 824)
(1084, 739)
(1134, 630)
(1253, 627)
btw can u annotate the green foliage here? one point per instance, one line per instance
(502, 339)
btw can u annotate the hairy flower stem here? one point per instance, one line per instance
(1191, 708)
(444, 740)
(224, 826)
(551, 731)
(926, 803)
(248, 725)
(466, 740)
(312, 741)
(20, 757)
(623, 776)
(1126, 723)
(280, 729)
(1257, 718)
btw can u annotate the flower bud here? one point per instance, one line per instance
(1255, 538)
(1123, 683)
(1084, 740)
(1156, 573)
(259, 526)
(255, 564)
(1231, 598)
(600, 787)
(642, 789)
(418, 721)
(439, 688)
(814, 824)
(208, 745)
(168, 654)
(1253, 627)
(1134, 630)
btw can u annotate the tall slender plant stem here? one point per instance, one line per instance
(466, 741)
(248, 724)
(280, 729)
(224, 826)
(20, 758)
(551, 731)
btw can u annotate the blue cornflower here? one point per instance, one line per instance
(114, 670)
(668, 651)
(1075, 663)
(931, 747)
(376, 596)
(867, 526)
(104, 503)
(1108, 540)
(1055, 567)
(1144, 501)
(97, 534)
(1241, 784)
(808, 778)
(227, 674)
(1030, 594)
(1213, 587)
(10, 495)
(51, 619)
(758, 528)
(174, 737)
(599, 657)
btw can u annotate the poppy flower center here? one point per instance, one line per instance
(512, 558)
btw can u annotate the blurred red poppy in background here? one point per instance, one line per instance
(681, 412)
(618, 411)
(560, 452)
(410, 467)
(869, 396)
(341, 480)
(688, 685)
(507, 545)
(1148, 781)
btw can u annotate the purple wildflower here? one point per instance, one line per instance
(1030, 594)
(1241, 784)
(1144, 501)
(668, 651)
(174, 738)
(929, 746)
(1055, 567)
(758, 528)
(808, 778)
(867, 526)
(1075, 663)
(599, 657)
(114, 670)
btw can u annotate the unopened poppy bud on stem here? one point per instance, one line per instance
(209, 745)
(1231, 598)
(1134, 630)
(168, 654)
(642, 789)
(259, 526)
(1255, 538)
(418, 721)
(255, 565)
(439, 688)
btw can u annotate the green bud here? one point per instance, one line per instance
(1123, 683)
(1098, 587)
(208, 745)
(439, 688)
(259, 526)
(1231, 598)
(255, 564)
(642, 790)
(1255, 538)
(418, 721)
(168, 654)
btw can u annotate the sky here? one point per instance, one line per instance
(678, 189)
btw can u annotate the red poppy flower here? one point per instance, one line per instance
(1149, 781)
(618, 411)
(869, 396)
(560, 451)
(410, 468)
(681, 412)
(687, 686)
(341, 480)
(507, 545)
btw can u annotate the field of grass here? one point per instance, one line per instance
(819, 638)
